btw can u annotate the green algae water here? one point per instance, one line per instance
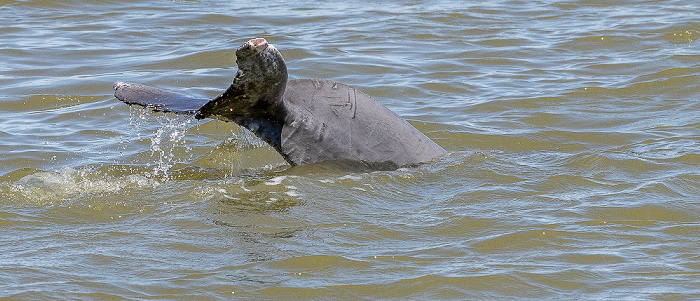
(573, 131)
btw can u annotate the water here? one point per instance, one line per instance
(573, 130)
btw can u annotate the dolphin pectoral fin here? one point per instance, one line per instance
(157, 99)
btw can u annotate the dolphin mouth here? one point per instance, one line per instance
(253, 46)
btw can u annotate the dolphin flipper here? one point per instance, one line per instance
(157, 99)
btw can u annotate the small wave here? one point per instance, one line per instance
(276, 193)
(48, 187)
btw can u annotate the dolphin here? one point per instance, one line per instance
(305, 120)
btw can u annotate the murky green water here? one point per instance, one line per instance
(573, 129)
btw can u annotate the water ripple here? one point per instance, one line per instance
(572, 130)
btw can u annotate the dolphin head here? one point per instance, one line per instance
(258, 87)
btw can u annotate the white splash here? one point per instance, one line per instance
(167, 138)
(170, 135)
(49, 187)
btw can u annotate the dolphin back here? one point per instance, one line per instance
(328, 120)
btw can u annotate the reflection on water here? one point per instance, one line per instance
(572, 129)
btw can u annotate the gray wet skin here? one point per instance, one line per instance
(305, 120)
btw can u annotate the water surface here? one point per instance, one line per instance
(573, 129)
